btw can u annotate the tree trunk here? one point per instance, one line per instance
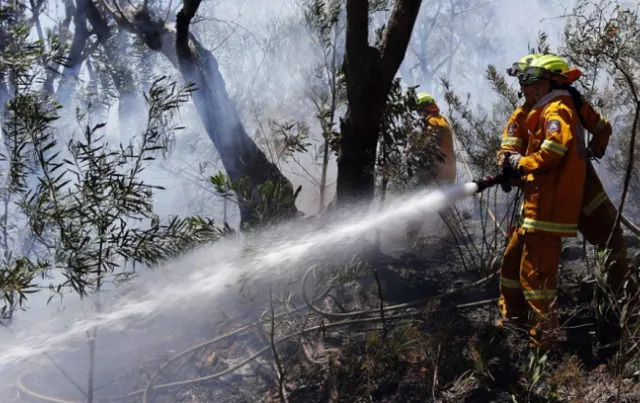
(358, 142)
(76, 54)
(240, 156)
(63, 36)
(129, 105)
(369, 72)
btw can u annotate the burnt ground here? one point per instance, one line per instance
(448, 349)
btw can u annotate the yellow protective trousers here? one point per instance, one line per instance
(597, 218)
(528, 281)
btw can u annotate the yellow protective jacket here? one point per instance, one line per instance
(515, 138)
(597, 125)
(439, 126)
(554, 167)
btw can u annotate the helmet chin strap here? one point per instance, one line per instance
(539, 93)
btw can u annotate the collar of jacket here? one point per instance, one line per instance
(550, 97)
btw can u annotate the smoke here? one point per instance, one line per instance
(267, 58)
(145, 315)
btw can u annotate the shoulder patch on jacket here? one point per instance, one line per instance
(511, 129)
(553, 126)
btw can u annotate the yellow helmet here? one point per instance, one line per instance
(550, 67)
(424, 99)
(518, 68)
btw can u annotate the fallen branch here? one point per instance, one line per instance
(630, 226)
(256, 355)
(147, 390)
(150, 385)
(384, 325)
(388, 308)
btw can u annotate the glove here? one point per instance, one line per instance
(595, 151)
(513, 161)
(510, 161)
(501, 157)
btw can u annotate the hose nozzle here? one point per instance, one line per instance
(501, 179)
(487, 182)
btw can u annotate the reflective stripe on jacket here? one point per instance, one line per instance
(594, 193)
(515, 136)
(554, 166)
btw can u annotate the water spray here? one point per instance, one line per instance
(271, 258)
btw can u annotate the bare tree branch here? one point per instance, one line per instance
(118, 14)
(240, 156)
(397, 37)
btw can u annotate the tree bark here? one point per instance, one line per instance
(369, 73)
(63, 35)
(240, 156)
(76, 54)
(129, 107)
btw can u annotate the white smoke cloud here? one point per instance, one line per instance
(265, 56)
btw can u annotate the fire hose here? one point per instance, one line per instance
(503, 179)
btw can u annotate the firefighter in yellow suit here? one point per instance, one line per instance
(437, 125)
(598, 214)
(554, 168)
